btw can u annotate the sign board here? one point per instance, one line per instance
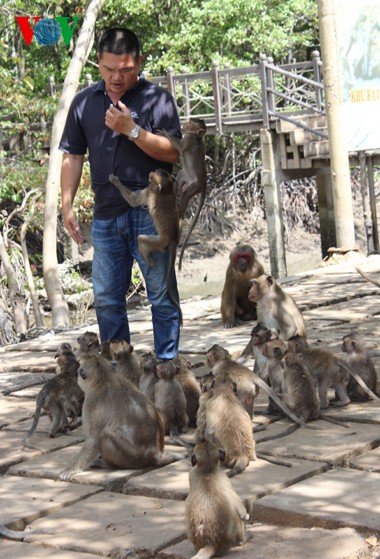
(358, 35)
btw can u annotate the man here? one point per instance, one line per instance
(116, 121)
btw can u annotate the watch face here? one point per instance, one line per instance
(135, 132)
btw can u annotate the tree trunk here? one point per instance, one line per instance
(16, 298)
(59, 306)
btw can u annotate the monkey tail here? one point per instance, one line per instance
(174, 436)
(201, 200)
(33, 427)
(360, 381)
(169, 279)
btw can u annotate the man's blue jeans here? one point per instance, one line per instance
(115, 248)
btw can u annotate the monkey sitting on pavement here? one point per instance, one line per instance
(235, 306)
(360, 362)
(170, 401)
(228, 425)
(120, 424)
(127, 364)
(160, 198)
(215, 514)
(60, 397)
(276, 308)
(191, 388)
(327, 369)
(148, 379)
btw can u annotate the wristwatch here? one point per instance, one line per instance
(134, 133)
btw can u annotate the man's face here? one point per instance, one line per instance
(119, 72)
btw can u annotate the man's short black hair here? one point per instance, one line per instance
(119, 40)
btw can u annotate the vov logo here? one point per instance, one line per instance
(47, 30)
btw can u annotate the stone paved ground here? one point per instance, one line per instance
(324, 502)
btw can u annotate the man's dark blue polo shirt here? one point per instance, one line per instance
(152, 107)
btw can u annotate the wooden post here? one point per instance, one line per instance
(340, 169)
(271, 176)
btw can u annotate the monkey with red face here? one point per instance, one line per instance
(235, 306)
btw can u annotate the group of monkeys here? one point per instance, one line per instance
(127, 404)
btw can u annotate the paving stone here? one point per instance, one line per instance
(12, 410)
(339, 497)
(260, 478)
(332, 444)
(13, 383)
(50, 465)
(30, 361)
(21, 502)
(272, 542)
(12, 450)
(109, 521)
(16, 550)
(369, 461)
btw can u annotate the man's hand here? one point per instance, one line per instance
(72, 227)
(120, 120)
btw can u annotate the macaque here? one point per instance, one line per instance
(228, 365)
(61, 397)
(276, 308)
(148, 379)
(120, 424)
(246, 389)
(274, 351)
(235, 305)
(228, 425)
(326, 369)
(127, 362)
(192, 178)
(260, 334)
(160, 198)
(191, 388)
(88, 345)
(215, 514)
(298, 389)
(170, 401)
(360, 362)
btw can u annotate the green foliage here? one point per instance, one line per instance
(184, 34)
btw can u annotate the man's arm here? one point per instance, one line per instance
(71, 173)
(154, 145)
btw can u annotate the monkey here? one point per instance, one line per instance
(170, 401)
(260, 334)
(63, 349)
(160, 198)
(60, 397)
(359, 361)
(298, 389)
(127, 363)
(192, 177)
(148, 378)
(88, 345)
(246, 389)
(119, 422)
(229, 425)
(276, 308)
(215, 514)
(274, 351)
(235, 306)
(191, 388)
(228, 365)
(327, 369)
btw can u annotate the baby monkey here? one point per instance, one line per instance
(160, 198)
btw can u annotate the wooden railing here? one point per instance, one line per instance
(246, 98)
